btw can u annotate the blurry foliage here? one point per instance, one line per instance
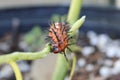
(34, 38)
(57, 17)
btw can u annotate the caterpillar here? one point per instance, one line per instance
(58, 33)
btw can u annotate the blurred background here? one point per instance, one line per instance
(24, 24)
(32, 3)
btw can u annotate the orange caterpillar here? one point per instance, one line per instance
(58, 33)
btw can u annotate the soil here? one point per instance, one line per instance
(94, 62)
(97, 60)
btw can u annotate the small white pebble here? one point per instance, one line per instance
(66, 78)
(117, 52)
(93, 38)
(90, 34)
(6, 72)
(81, 62)
(108, 62)
(111, 51)
(105, 71)
(94, 41)
(89, 67)
(103, 40)
(86, 51)
(116, 42)
(24, 67)
(4, 46)
(115, 71)
(116, 67)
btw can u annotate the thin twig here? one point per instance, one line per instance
(25, 55)
(16, 70)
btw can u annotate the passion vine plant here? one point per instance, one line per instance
(62, 65)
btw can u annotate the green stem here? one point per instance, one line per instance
(16, 70)
(61, 68)
(73, 67)
(25, 55)
(73, 15)
(74, 11)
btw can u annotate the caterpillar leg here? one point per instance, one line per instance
(69, 49)
(65, 56)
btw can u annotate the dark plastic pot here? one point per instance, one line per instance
(101, 20)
